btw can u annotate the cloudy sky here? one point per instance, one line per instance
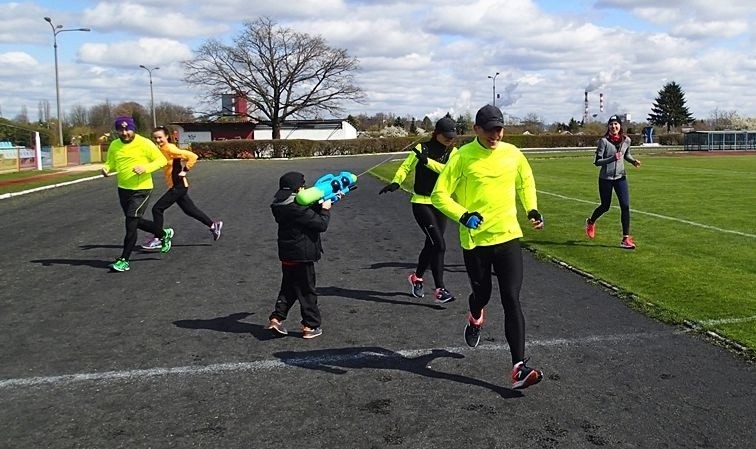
(416, 57)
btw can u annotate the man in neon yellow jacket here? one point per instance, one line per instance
(134, 158)
(478, 187)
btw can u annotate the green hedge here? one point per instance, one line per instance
(255, 149)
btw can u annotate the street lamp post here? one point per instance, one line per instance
(152, 97)
(493, 77)
(56, 30)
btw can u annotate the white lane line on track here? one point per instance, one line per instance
(265, 365)
(651, 214)
(728, 321)
(51, 186)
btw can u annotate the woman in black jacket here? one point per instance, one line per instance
(427, 160)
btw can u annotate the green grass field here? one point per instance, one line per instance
(692, 219)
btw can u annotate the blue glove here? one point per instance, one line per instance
(471, 219)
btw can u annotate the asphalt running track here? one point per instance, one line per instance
(174, 353)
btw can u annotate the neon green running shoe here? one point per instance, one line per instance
(120, 264)
(166, 240)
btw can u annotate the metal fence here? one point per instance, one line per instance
(720, 141)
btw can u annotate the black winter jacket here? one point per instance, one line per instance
(299, 229)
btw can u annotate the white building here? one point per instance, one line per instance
(334, 129)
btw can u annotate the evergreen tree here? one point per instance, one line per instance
(463, 124)
(352, 120)
(427, 124)
(669, 108)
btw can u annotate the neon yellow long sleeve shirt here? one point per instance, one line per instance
(487, 181)
(123, 157)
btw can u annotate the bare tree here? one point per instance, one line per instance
(169, 113)
(720, 119)
(282, 74)
(533, 122)
(101, 116)
(23, 116)
(43, 112)
(79, 116)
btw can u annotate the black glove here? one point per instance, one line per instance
(422, 158)
(389, 188)
(536, 218)
(471, 219)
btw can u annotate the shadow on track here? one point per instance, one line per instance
(338, 361)
(230, 323)
(373, 296)
(73, 262)
(449, 268)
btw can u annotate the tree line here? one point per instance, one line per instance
(88, 126)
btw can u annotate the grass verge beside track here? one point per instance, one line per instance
(692, 219)
(27, 180)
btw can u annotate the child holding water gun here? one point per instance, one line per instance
(299, 247)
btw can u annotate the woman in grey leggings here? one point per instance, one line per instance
(613, 149)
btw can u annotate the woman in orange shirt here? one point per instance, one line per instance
(179, 163)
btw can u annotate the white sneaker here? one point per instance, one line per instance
(215, 229)
(152, 243)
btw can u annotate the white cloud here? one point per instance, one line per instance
(147, 20)
(147, 51)
(416, 58)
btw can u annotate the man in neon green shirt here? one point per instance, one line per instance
(134, 158)
(478, 187)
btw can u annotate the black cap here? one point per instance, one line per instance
(292, 180)
(489, 117)
(446, 127)
(289, 183)
(614, 118)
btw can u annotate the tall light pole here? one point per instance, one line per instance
(56, 30)
(152, 97)
(493, 77)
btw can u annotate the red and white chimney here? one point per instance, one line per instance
(585, 113)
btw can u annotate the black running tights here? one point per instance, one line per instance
(433, 224)
(622, 190)
(178, 196)
(506, 261)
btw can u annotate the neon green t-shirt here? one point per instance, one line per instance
(123, 157)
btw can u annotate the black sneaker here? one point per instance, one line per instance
(523, 377)
(472, 330)
(443, 296)
(416, 285)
